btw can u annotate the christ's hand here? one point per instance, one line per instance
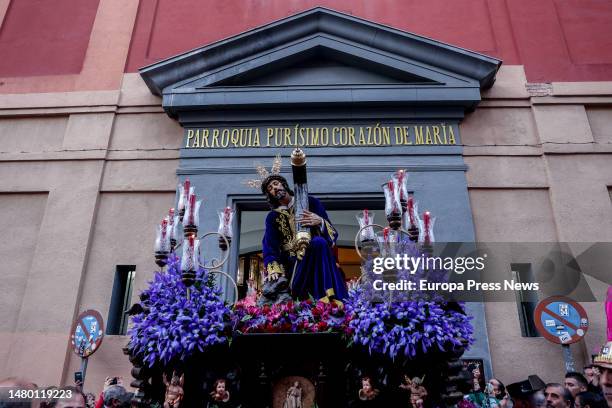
(310, 219)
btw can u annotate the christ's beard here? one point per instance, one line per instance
(280, 194)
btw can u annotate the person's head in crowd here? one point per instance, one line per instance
(557, 396)
(590, 400)
(605, 381)
(590, 373)
(90, 400)
(603, 362)
(498, 388)
(115, 396)
(575, 383)
(528, 393)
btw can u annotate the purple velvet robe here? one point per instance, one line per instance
(316, 274)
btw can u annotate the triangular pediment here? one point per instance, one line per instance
(319, 69)
(321, 56)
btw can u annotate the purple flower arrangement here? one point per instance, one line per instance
(409, 328)
(174, 325)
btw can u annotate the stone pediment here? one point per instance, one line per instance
(321, 58)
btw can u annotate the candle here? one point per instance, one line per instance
(427, 225)
(192, 200)
(164, 226)
(400, 180)
(411, 210)
(365, 219)
(227, 213)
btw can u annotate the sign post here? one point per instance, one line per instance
(86, 337)
(563, 321)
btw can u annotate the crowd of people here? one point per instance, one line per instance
(114, 395)
(590, 389)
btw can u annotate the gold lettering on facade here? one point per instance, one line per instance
(215, 137)
(351, 136)
(407, 140)
(315, 138)
(189, 137)
(386, 135)
(361, 137)
(451, 137)
(335, 132)
(270, 135)
(322, 136)
(205, 133)
(418, 135)
(399, 135)
(287, 141)
(256, 140)
(225, 138)
(436, 135)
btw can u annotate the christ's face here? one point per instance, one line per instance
(365, 384)
(276, 190)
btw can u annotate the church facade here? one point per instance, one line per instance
(94, 145)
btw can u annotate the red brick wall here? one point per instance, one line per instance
(45, 37)
(556, 40)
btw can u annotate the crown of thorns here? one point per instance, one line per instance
(265, 176)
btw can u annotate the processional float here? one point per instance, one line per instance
(366, 376)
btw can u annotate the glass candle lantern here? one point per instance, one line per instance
(393, 208)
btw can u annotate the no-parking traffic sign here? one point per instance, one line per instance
(87, 333)
(561, 320)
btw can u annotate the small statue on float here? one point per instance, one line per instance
(174, 390)
(220, 396)
(294, 396)
(418, 393)
(367, 391)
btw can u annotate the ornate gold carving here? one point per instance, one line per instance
(302, 240)
(275, 267)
